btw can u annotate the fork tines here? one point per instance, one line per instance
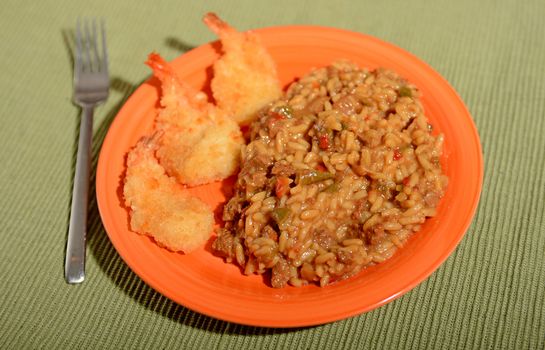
(88, 57)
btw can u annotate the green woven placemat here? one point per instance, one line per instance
(488, 295)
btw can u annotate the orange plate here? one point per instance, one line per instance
(204, 283)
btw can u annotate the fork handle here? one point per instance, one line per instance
(77, 231)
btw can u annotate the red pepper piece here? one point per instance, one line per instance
(320, 167)
(397, 154)
(323, 142)
(282, 186)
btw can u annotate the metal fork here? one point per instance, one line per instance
(91, 86)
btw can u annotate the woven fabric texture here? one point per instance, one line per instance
(489, 294)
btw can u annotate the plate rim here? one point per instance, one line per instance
(416, 280)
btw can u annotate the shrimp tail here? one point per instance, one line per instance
(217, 25)
(174, 89)
(160, 67)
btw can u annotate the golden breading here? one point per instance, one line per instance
(181, 105)
(245, 77)
(209, 152)
(159, 206)
(194, 141)
(198, 144)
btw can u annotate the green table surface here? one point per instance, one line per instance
(489, 294)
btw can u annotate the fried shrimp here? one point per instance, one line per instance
(199, 144)
(194, 141)
(202, 156)
(159, 206)
(182, 106)
(245, 76)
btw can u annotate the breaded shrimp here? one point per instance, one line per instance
(182, 106)
(209, 154)
(198, 143)
(245, 76)
(159, 206)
